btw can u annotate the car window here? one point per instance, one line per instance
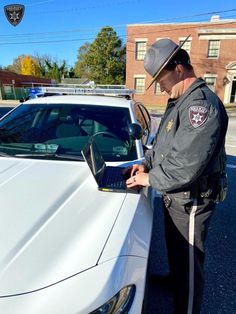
(4, 110)
(64, 129)
(144, 119)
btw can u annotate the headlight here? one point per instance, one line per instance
(120, 303)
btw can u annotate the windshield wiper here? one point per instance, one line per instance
(51, 156)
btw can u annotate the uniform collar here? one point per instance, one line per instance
(199, 82)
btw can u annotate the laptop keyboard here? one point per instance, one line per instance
(114, 178)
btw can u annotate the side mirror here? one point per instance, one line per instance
(22, 99)
(135, 131)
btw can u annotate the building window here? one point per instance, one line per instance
(213, 49)
(140, 50)
(186, 46)
(211, 82)
(139, 85)
(158, 89)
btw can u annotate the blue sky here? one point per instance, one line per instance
(59, 27)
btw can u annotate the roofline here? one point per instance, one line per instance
(185, 23)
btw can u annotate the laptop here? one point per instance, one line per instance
(108, 178)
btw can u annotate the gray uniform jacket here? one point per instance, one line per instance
(190, 140)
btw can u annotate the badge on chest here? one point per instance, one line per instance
(169, 125)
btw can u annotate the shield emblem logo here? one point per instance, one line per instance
(197, 115)
(14, 13)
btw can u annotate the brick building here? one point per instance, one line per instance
(212, 49)
(19, 80)
(11, 83)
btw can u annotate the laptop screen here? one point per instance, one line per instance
(109, 179)
(97, 160)
(94, 158)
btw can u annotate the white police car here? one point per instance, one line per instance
(38, 92)
(65, 246)
(4, 110)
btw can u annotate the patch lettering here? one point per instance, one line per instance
(197, 115)
(14, 13)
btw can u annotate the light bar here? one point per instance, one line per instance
(88, 91)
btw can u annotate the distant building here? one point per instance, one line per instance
(19, 80)
(13, 85)
(212, 49)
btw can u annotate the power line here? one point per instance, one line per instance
(55, 35)
(184, 28)
(40, 2)
(88, 7)
(92, 38)
(115, 26)
(189, 16)
(45, 41)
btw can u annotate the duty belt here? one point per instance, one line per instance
(203, 187)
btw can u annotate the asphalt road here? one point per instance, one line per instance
(220, 263)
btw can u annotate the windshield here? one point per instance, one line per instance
(57, 130)
(4, 110)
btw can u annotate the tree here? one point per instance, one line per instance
(51, 68)
(29, 66)
(40, 66)
(71, 72)
(82, 69)
(56, 71)
(16, 65)
(104, 60)
(41, 62)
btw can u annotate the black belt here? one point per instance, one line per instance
(203, 187)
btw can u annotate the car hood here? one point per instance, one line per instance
(54, 223)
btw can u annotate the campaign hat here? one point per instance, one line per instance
(159, 55)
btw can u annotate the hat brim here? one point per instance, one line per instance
(167, 61)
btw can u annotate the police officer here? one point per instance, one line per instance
(186, 164)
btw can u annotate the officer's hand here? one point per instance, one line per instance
(138, 179)
(134, 169)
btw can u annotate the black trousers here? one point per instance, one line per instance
(186, 225)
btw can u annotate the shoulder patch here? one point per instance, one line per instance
(197, 115)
